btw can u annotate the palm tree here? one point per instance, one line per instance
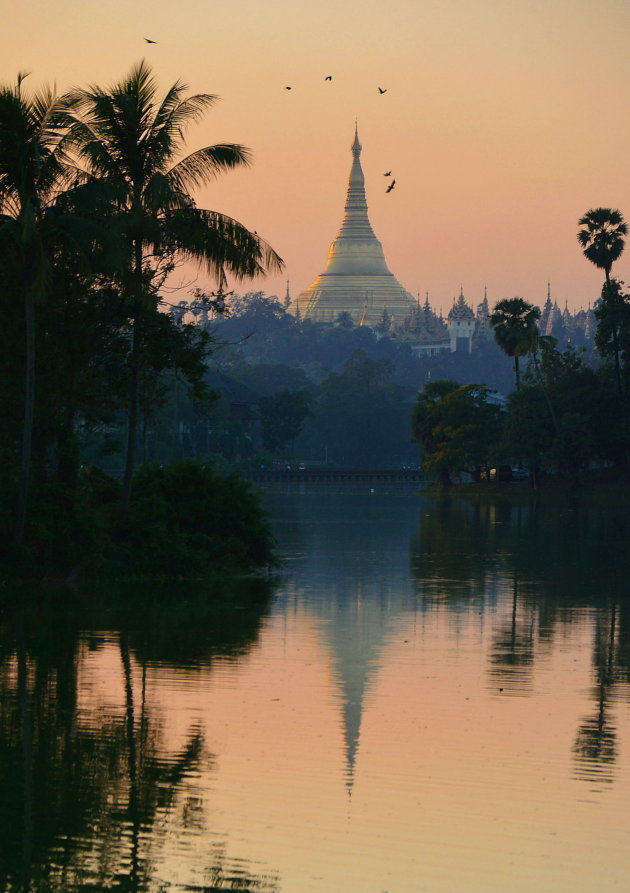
(514, 322)
(127, 140)
(602, 238)
(33, 171)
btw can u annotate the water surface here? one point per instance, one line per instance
(433, 696)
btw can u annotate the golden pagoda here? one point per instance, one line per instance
(357, 279)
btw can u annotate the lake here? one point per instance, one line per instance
(433, 695)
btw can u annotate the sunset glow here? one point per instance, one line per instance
(502, 122)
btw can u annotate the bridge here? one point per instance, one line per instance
(336, 475)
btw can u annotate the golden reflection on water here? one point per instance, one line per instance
(388, 729)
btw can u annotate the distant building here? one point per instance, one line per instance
(461, 325)
(425, 331)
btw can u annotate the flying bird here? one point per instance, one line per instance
(149, 41)
(391, 186)
(328, 77)
(380, 90)
(388, 174)
(288, 88)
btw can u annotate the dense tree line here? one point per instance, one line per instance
(348, 389)
(564, 415)
(346, 392)
(95, 212)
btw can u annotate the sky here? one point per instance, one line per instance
(504, 121)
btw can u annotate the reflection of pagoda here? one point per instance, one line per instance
(355, 636)
(357, 279)
(356, 618)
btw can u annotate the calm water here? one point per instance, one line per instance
(435, 696)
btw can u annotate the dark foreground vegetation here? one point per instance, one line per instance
(95, 212)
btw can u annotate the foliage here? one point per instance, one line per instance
(612, 338)
(187, 520)
(564, 418)
(456, 426)
(282, 416)
(361, 418)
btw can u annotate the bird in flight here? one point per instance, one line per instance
(288, 88)
(149, 41)
(380, 90)
(328, 77)
(388, 174)
(391, 186)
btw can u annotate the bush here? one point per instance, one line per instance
(187, 520)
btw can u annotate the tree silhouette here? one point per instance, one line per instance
(514, 323)
(33, 171)
(613, 325)
(128, 141)
(602, 238)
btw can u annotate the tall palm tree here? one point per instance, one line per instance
(602, 238)
(128, 140)
(33, 171)
(514, 323)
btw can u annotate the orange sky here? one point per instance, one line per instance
(503, 122)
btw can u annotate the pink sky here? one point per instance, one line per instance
(503, 122)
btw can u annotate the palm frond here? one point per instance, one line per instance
(206, 164)
(221, 244)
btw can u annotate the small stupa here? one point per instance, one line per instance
(357, 280)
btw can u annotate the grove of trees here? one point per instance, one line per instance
(96, 209)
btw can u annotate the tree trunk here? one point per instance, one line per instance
(543, 385)
(132, 415)
(134, 387)
(29, 415)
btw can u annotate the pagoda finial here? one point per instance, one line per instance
(356, 145)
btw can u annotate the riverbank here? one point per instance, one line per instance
(597, 487)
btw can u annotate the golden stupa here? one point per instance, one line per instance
(357, 279)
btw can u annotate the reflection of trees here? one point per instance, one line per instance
(595, 747)
(459, 550)
(560, 558)
(87, 800)
(512, 652)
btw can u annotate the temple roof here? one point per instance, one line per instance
(460, 309)
(357, 279)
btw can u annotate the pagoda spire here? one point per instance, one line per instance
(356, 223)
(356, 266)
